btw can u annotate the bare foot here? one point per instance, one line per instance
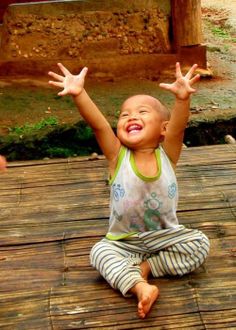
(147, 294)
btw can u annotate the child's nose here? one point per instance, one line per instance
(133, 116)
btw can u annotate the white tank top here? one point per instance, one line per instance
(139, 203)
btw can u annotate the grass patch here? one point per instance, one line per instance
(32, 128)
(222, 33)
(49, 141)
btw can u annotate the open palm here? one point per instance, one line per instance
(182, 87)
(69, 83)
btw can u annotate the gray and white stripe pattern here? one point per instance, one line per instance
(173, 251)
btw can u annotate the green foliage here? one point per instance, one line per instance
(59, 152)
(50, 139)
(222, 33)
(84, 133)
(226, 48)
(31, 128)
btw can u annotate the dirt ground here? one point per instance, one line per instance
(216, 97)
(221, 55)
(223, 7)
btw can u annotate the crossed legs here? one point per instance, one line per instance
(126, 265)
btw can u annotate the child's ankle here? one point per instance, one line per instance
(145, 269)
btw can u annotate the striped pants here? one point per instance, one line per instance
(174, 251)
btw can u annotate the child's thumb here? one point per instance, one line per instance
(83, 72)
(165, 86)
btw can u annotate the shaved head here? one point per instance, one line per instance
(150, 100)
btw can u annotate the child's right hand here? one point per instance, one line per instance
(3, 163)
(71, 84)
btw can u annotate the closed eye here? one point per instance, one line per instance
(124, 114)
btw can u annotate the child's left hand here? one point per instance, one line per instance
(182, 87)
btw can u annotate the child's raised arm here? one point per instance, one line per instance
(182, 89)
(74, 85)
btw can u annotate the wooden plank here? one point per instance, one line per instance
(31, 266)
(95, 307)
(208, 155)
(51, 215)
(220, 319)
(222, 297)
(54, 224)
(25, 310)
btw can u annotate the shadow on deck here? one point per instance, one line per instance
(52, 212)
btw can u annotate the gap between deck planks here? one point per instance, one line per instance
(52, 212)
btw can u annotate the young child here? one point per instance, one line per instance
(3, 163)
(144, 236)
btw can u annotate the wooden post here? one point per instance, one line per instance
(187, 22)
(187, 32)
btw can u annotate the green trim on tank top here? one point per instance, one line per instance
(118, 237)
(140, 175)
(120, 159)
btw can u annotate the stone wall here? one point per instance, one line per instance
(5, 3)
(117, 37)
(83, 32)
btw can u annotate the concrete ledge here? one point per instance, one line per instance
(149, 66)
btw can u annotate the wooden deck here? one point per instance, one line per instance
(52, 212)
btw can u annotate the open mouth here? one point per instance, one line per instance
(134, 128)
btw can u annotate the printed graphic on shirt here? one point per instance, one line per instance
(135, 224)
(117, 216)
(133, 214)
(152, 213)
(118, 192)
(172, 190)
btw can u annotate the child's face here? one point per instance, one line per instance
(141, 123)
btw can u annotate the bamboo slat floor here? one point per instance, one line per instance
(52, 212)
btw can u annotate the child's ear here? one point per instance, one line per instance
(163, 130)
(164, 127)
